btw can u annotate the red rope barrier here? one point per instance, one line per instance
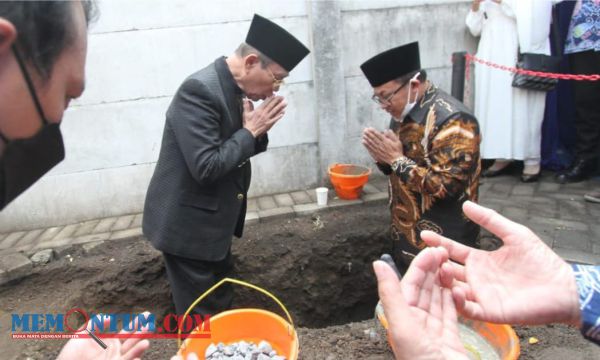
(580, 77)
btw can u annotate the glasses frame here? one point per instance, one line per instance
(276, 82)
(388, 99)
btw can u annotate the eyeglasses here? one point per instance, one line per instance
(276, 82)
(388, 99)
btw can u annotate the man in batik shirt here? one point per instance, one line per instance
(430, 153)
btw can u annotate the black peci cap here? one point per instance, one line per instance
(392, 64)
(275, 42)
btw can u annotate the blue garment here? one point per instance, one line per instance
(587, 278)
(584, 31)
(558, 129)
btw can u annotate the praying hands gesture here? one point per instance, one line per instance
(383, 147)
(260, 120)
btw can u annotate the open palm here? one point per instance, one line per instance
(522, 282)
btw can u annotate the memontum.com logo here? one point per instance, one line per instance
(78, 324)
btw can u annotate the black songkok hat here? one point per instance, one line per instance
(392, 64)
(275, 42)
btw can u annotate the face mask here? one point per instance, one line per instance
(409, 105)
(24, 161)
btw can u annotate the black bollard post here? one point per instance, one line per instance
(458, 75)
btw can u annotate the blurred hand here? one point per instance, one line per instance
(383, 147)
(523, 282)
(420, 313)
(259, 121)
(475, 5)
(84, 349)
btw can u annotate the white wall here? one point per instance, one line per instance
(139, 52)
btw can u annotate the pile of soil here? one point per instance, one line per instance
(319, 267)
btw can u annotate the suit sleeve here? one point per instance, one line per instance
(196, 121)
(452, 160)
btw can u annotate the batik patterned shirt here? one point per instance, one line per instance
(584, 30)
(587, 278)
(440, 171)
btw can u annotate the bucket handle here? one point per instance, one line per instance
(238, 282)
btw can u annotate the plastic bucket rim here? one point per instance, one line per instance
(291, 329)
(367, 173)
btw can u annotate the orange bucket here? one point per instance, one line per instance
(250, 325)
(502, 338)
(348, 180)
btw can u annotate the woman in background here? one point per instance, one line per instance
(510, 118)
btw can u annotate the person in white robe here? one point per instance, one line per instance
(510, 118)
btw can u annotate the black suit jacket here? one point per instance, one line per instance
(196, 200)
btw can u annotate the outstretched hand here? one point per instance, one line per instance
(522, 282)
(420, 313)
(84, 349)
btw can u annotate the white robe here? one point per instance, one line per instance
(510, 118)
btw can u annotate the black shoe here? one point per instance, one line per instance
(579, 171)
(529, 178)
(493, 173)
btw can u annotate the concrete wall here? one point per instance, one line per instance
(141, 50)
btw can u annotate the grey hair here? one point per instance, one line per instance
(245, 49)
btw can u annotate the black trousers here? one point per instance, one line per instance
(190, 278)
(587, 104)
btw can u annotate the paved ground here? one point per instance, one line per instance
(557, 213)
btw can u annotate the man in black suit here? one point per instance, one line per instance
(197, 197)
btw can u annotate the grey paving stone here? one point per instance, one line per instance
(301, 197)
(137, 220)
(524, 189)
(500, 190)
(126, 234)
(30, 238)
(543, 210)
(339, 202)
(576, 256)
(307, 209)
(86, 228)
(549, 187)
(370, 189)
(572, 239)
(275, 213)
(283, 200)
(515, 213)
(122, 222)
(14, 266)
(266, 203)
(595, 232)
(559, 223)
(67, 232)
(368, 198)
(2, 236)
(572, 210)
(313, 194)
(49, 234)
(252, 205)
(91, 238)
(12, 239)
(104, 225)
(252, 217)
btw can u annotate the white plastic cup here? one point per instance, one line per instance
(322, 196)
